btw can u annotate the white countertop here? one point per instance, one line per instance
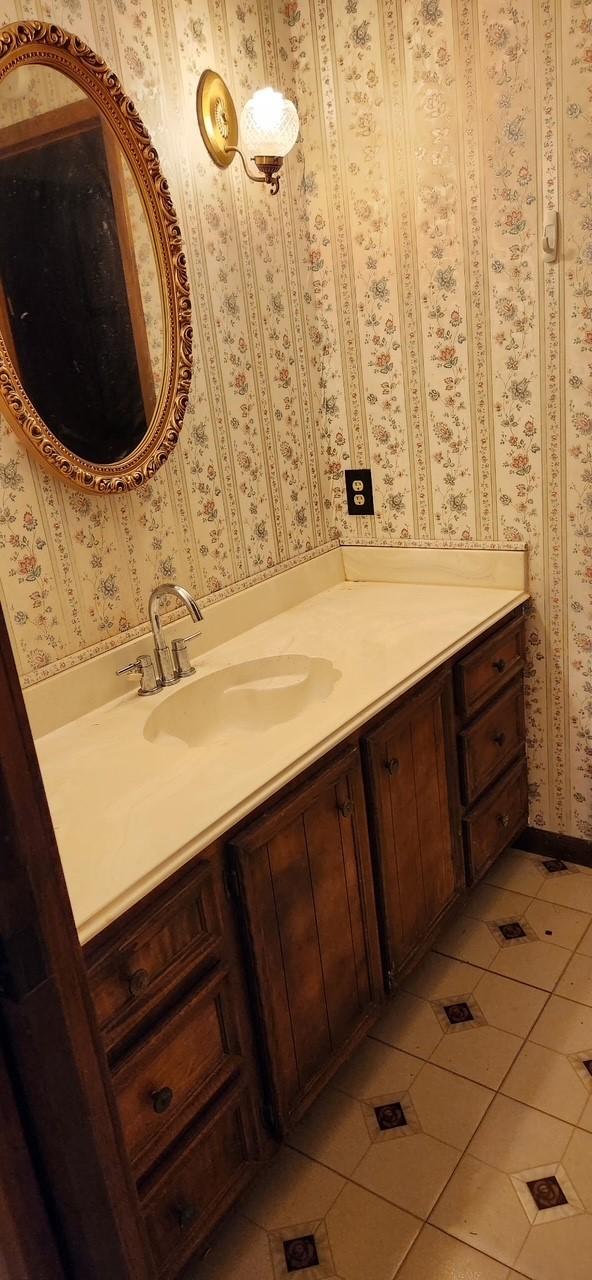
(128, 811)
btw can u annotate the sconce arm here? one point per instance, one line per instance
(253, 176)
(269, 167)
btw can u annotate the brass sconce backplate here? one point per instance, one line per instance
(216, 116)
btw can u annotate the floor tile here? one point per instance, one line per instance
(410, 1173)
(390, 1117)
(239, 1248)
(519, 872)
(483, 1054)
(458, 1013)
(409, 1024)
(555, 868)
(377, 1068)
(585, 1120)
(576, 981)
(436, 1256)
(440, 975)
(514, 1137)
(564, 1025)
(508, 1005)
(468, 939)
(302, 1248)
(538, 963)
(448, 1107)
(553, 923)
(558, 1250)
(511, 931)
(569, 891)
(333, 1132)
(291, 1189)
(545, 1079)
(585, 946)
(411, 1129)
(547, 1194)
(490, 902)
(577, 1162)
(480, 1206)
(369, 1238)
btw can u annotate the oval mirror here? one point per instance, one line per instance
(95, 337)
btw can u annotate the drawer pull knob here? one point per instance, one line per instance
(499, 739)
(499, 664)
(138, 981)
(186, 1215)
(346, 809)
(503, 819)
(391, 766)
(161, 1100)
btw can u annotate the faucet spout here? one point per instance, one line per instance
(161, 648)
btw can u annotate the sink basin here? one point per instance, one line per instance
(251, 696)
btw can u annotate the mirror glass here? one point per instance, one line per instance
(80, 303)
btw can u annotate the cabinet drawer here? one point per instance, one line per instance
(186, 1198)
(492, 741)
(128, 979)
(496, 820)
(175, 1071)
(488, 668)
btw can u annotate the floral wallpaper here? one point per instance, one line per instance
(390, 308)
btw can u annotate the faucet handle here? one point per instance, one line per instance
(145, 666)
(183, 666)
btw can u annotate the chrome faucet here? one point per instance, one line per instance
(167, 667)
(175, 666)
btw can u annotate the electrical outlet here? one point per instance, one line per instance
(358, 487)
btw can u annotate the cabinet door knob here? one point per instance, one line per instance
(186, 1215)
(499, 739)
(503, 819)
(499, 664)
(346, 808)
(138, 981)
(391, 765)
(161, 1100)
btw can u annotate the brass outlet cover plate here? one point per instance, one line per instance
(216, 116)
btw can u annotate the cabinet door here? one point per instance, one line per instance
(411, 773)
(303, 879)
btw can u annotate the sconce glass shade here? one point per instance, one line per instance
(269, 124)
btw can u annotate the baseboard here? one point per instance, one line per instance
(553, 845)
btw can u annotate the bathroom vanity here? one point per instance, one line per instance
(234, 975)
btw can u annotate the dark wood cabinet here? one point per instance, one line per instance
(497, 818)
(488, 666)
(303, 880)
(492, 741)
(132, 976)
(489, 691)
(230, 995)
(175, 1070)
(170, 997)
(414, 820)
(186, 1197)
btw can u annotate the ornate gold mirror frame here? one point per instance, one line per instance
(46, 44)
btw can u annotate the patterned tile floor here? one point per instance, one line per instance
(457, 1143)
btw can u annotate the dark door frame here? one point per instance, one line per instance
(51, 1041)
(27, 1244)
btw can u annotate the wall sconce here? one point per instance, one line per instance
(269, 128)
